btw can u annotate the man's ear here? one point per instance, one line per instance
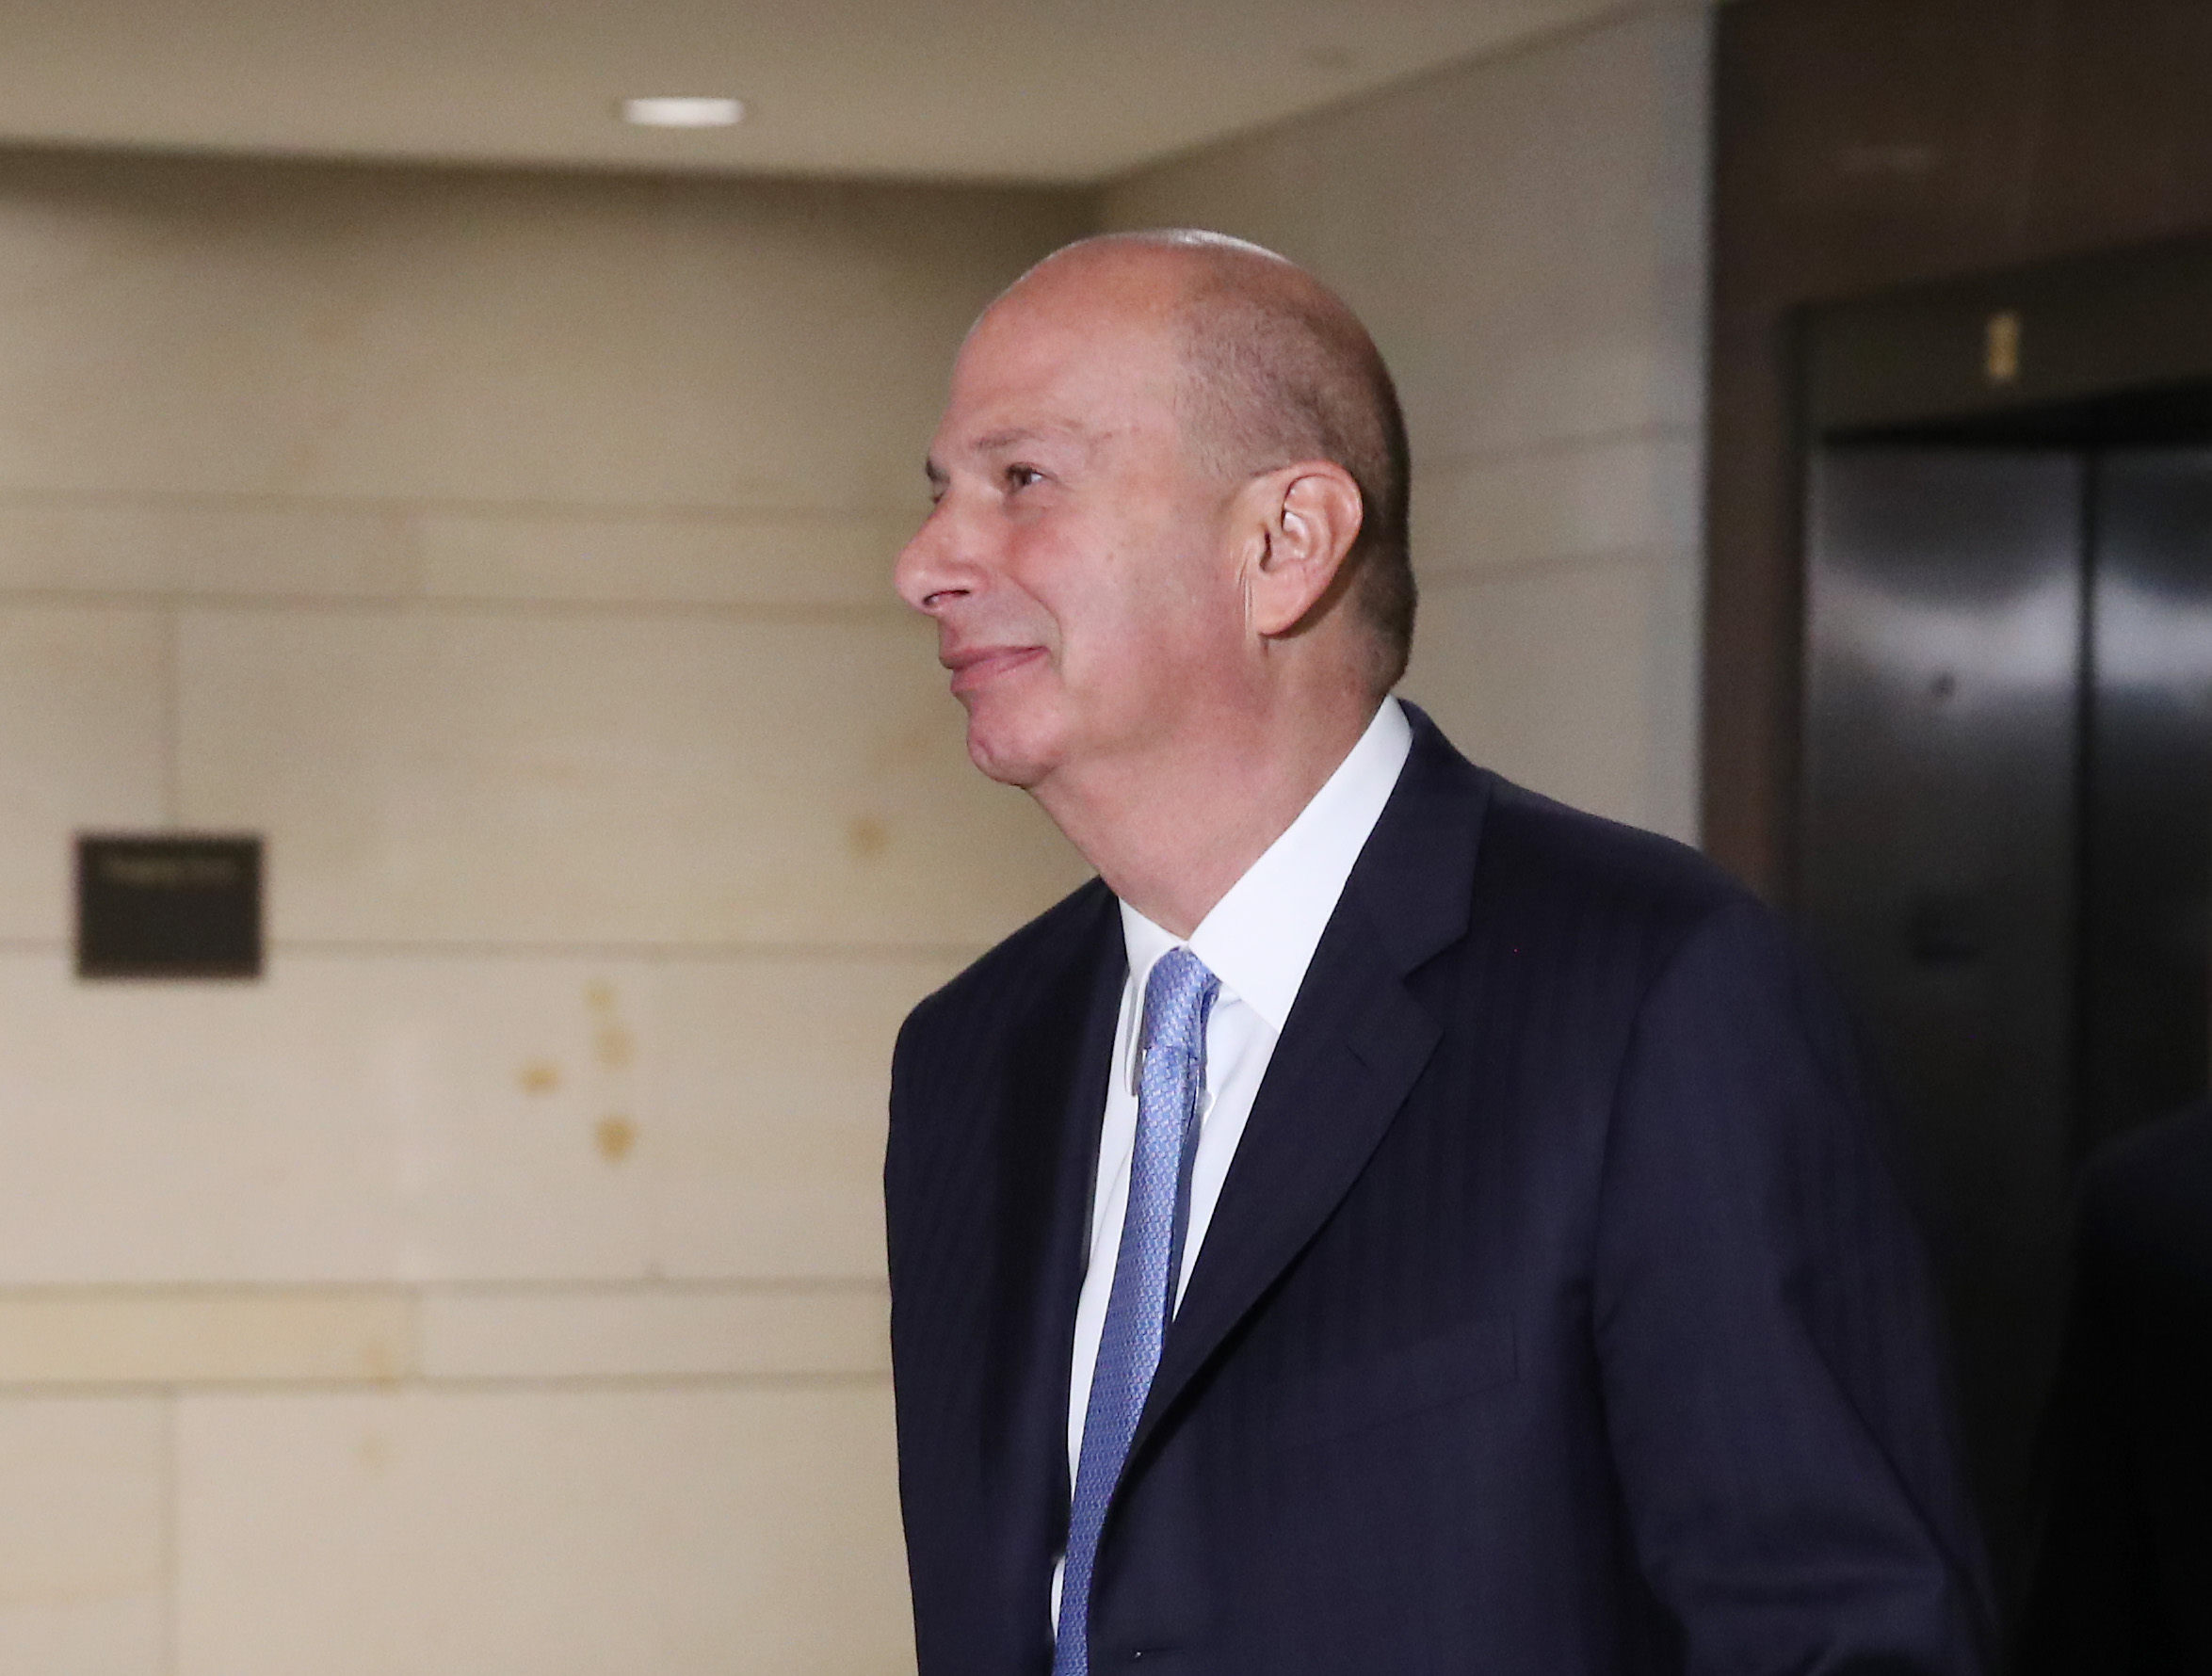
(1309, 516)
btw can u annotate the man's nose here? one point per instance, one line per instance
(934, 567)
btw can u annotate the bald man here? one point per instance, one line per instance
(1387, 1222)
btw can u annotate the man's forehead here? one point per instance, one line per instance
(1046, 328)
(1031, 374)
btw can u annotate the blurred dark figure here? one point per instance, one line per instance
(2123, 1582)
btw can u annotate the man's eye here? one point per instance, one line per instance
(1021, 477)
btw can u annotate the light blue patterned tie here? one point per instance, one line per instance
(1178, 997)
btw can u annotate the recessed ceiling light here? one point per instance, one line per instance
(683, 113)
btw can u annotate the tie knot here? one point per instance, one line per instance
(1177, 997)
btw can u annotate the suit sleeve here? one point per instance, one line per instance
(1765, 1336)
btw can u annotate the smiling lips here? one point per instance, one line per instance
(977, 666)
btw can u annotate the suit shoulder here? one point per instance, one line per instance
(1696, 964)
(1013, 970)
(1554, 857)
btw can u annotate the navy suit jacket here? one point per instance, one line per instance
(1557, 1315)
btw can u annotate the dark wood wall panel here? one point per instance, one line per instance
(2123, 142)
(1866, 144)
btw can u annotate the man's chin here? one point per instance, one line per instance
(1005, 758)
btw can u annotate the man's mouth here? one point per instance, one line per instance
(979, 666)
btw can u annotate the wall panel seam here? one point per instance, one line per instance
(522, 509)
(178, 1391)
(1670, 430)
(1522, 570)
(521, 607)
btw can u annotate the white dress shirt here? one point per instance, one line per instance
(1258, 940)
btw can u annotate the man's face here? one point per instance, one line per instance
(1074, 561)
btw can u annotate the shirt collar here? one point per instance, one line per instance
(1260, 938)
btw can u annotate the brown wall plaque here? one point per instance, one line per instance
(158, 906)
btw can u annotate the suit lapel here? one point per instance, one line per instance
(1047, 1148)
(1351, 1050)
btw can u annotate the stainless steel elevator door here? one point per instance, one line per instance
(2147, 925)
(1943, 751)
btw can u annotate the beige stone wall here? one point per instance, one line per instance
(496, 1288)
(1526, 237)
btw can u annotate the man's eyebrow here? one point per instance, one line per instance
(1013, 436)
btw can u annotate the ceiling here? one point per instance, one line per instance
(1048, 90)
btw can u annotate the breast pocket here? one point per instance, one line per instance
(1431, 1372)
